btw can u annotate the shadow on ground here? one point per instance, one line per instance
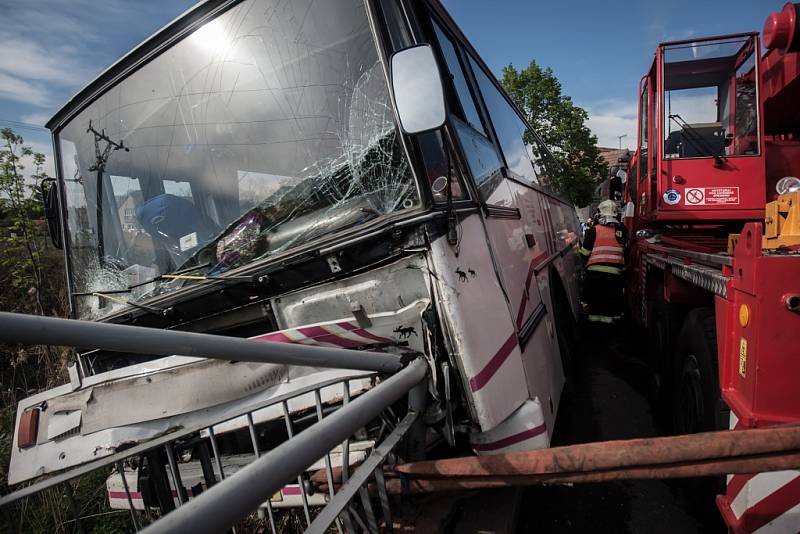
(608, 398)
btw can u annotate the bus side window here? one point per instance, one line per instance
(508, 126)
(465, 100)
(435, 160)
(480, 154)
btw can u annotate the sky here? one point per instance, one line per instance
(49, 49)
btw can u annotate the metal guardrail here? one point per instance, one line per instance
(37, 330)
(225, 503)
(233, 497)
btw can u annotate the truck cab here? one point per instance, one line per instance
(701, 143)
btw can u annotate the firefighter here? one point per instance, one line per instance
(603, 253)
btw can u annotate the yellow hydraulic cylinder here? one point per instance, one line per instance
(782, 222)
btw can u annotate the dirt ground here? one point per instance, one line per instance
(607, 398)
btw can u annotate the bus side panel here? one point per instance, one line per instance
(513, 255)
(566, 232)
(480, 329)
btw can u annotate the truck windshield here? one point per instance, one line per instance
(710, 99)
(266, 127)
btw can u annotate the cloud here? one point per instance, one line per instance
(19, 90)
(610, 119)
(38, 119)
(56, 46)
(31, 61)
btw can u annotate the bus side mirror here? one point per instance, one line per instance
(49, 190)
(418, 90)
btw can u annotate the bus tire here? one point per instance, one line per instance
(565, 324)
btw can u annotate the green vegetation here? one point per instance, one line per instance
(32, 281)
(561, 125)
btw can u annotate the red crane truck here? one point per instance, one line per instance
(713, 200)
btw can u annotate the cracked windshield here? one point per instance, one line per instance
(265, 128)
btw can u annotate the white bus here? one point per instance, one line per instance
(346, 173)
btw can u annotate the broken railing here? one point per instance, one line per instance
(231, 498)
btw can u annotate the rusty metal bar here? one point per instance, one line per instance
(708, 454)
(609, 455)
(759, 464)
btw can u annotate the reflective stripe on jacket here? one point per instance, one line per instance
(606, 249)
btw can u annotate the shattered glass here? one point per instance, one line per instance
(265, 128)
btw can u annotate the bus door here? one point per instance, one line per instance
(479, 282)
(520, 242)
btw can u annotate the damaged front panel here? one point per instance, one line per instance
(140, 402)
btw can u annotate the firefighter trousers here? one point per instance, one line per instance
(603, 294)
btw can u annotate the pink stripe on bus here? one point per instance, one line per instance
(486, 374)
(276, 337)
(511, 440)
(364, 333)
(317, 333)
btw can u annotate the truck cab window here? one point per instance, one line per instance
(644, 132)
(712, 113)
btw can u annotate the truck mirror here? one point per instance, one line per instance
(418, 91)
(622, 175)
(49, 190)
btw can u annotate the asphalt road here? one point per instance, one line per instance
(607, 398)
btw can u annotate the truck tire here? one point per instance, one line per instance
(662, 330)
(696, 402)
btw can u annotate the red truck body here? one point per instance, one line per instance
(715, 261)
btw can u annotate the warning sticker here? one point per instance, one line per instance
(743, 357)
(712, 196)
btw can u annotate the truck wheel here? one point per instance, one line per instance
(696, 402)
(661, 332)
(697, 405)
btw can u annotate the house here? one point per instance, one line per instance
(126, 209)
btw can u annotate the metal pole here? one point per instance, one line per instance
(176, 475)
(73, 506)
(38, 330)
(359, 478)
(290, 432)
(221, 506)
(121, 469)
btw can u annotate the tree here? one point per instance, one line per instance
(561, 125)
(22, 244)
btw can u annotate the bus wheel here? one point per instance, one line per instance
(696, 402)
(565, 325)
